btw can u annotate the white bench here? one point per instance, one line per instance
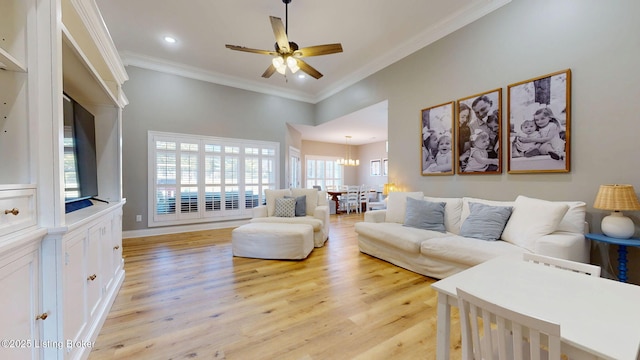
(272, 241)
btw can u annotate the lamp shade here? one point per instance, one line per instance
(617, 197)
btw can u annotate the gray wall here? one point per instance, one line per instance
(164, 102)
(597, 40)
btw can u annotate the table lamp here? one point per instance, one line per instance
(617, 198)
(388, 188)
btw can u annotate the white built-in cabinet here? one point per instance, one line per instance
(59, 273)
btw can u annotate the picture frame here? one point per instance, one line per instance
(375, 167)
(385, 167)
(540, 108)
(479, 133)
(437, 141)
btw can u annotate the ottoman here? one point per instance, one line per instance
(272, 241)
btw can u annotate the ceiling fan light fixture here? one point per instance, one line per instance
(292, 63)
(278, 63)
(288, 53)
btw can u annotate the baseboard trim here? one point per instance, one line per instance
(183, 228)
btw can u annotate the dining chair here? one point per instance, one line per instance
(564, 264)
(351, 200)
(363, 197)
(490, 331)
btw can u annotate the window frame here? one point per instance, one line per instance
(265, 153)
(309, 182)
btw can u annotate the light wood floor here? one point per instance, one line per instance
(186, 296)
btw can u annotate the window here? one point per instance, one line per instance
(196, 179)
(323, 171)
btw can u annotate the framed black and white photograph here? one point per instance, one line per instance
(385, 167)
(539, 124)
(375, 167)
(437, 146)
(479, 129)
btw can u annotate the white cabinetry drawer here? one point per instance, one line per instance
(17, 209)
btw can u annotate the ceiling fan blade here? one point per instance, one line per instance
(309, 69)
(281, 34)
(270, 70)
(318, 50)
(246, 49)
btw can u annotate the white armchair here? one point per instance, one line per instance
(316, 211)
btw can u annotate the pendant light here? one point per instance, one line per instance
(348, 161)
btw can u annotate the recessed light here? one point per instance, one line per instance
(301, 76)
(169, 39)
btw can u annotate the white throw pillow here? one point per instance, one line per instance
(397, 204)
(532, 219)
(271, 196)
(573, 220)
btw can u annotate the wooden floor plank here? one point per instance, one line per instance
(186, 296)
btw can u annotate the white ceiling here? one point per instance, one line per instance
(373, 34)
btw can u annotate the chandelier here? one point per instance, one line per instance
(348, 161)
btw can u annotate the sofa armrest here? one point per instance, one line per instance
(259, 211)
(321, 212)
(564, 245)
(375, 216)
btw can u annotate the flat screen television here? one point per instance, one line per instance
(80, 165)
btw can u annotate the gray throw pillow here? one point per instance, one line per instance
(285, 207)
(301, 204)
(427, 215)
(485, 222)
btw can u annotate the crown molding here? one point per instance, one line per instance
(446, 26)
(151, 63)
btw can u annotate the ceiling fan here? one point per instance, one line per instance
(287, 53)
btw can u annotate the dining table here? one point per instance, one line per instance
(335, 196)
(599, 318)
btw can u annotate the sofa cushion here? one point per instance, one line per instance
(312, 198)
(485, 222)
(310, 220)
(467, 200)
(452, 211)
(271, 196)
(397, 204)
(301, 205)
(323, 199)
(396, 235)
(531, 219)
(573, 220)
(285, 207)
(425, 215)
(467, 251)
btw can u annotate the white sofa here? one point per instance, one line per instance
(552, 228)
(316, 209)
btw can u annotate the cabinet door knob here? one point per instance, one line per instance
(116, 247)
(92, 277)
(13, 211)
(42, 316)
